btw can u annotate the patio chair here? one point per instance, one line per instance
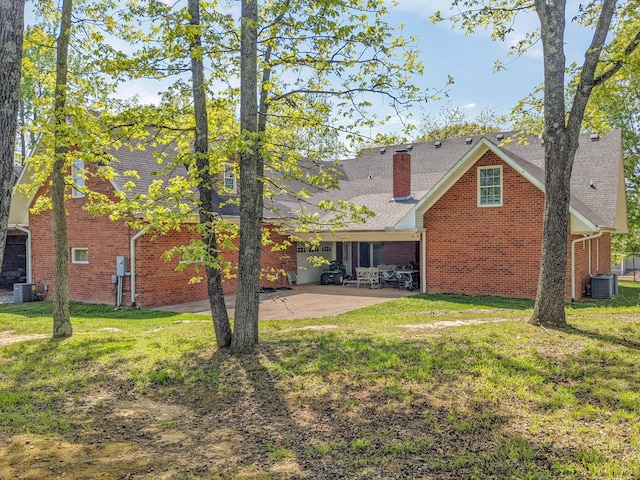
(362, 276)
(372, 277)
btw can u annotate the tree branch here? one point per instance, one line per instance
(618, 64)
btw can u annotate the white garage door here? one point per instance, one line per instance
(307, 273)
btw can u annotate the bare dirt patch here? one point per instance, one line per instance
(452, 323)
(8, 337)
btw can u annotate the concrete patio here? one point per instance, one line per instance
(305, 301)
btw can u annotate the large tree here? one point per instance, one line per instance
(205, 185)
(563, 113)
(251, 189)
(61, 317)
(71, 126)
(301, 63)
(11, 32)
(341, 51)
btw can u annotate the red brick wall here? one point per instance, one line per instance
(496, 250)
(485, 250)
(399, 253)
(600, 249)
(401, 175)
(273, 260)
(157, 281)
(104, 239)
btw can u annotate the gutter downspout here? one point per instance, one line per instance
(573, 260)
(132, 254)
(423, 262)
(28, 259)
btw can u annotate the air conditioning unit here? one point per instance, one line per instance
(24, 292)
(603, 286)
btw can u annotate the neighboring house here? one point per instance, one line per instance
(465, 212)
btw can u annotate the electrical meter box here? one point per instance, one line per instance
(121, 266)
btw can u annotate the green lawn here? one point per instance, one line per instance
(428, 386)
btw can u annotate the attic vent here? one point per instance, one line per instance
(409, 147)
(594, 137)
(383, 150)
(541, 141)
(500, 136)
(437, 144)
(469, 140)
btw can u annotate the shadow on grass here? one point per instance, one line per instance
(85, 310)
(297, 411)
(323, 406)
(46, 374)
(332, 407)
(479, 300)
(603, 337)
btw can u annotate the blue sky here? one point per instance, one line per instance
(470, 59)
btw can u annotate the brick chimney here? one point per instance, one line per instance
(401, 175)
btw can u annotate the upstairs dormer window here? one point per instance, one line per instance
(490, 186)
(230, 180)
(77, 175)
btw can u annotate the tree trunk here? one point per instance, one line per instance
(561, 133)
(11, 31)
(221, 324)
(549, 306)
(245, 335)
(61, 318)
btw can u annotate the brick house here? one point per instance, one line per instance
(468, 212)
(98, 244)
(465, 212)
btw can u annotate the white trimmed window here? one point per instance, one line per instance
(80, 255)
(230, 180)
(77, 174)
(490, 186)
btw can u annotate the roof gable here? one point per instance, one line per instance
(437, 166)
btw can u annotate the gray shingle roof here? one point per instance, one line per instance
(367, 179)
(596, 162)
(145, 162)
